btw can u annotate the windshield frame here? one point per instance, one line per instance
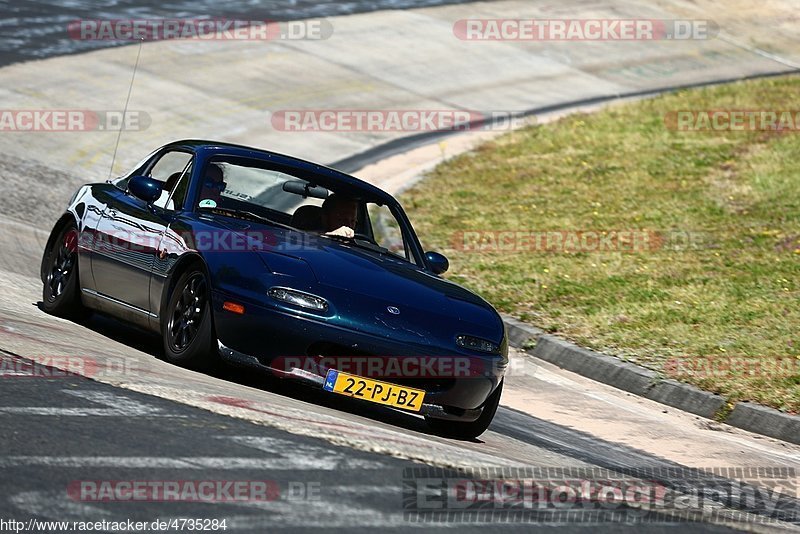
(206, 157)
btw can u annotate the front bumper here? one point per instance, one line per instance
(310, 379)
(264, 336)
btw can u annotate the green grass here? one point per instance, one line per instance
(729, 305)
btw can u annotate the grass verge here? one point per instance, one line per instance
(705, 285)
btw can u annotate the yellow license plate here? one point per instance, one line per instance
(374, 390)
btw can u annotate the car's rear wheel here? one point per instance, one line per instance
(471, 429)
(61, 291)
(187, 329)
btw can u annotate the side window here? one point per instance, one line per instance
(172, 169)
(386, 230)
(178, 196)
(169, 164)
(122, 182)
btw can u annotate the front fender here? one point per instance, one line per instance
(64, 220)
(76, 209)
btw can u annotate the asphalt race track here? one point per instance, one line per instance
(91, 403)
(143, 419)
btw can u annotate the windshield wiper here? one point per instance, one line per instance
(248, 215)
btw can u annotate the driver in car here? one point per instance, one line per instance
(213, 186)
(339, 215)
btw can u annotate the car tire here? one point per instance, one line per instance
(187, 330)
(471, 429)
(61, 284)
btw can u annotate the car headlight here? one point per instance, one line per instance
(299, 298)
(476, 343)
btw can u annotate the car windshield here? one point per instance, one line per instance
(237, 186)
(246, 188)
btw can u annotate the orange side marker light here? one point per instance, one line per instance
(233, 307)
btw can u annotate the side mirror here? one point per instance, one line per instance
(437, 262)
(145, 188)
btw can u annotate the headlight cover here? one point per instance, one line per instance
(476, 343)
(299, 298)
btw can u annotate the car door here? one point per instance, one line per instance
(126, 243)
(172, 242)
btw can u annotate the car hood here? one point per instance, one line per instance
(362, 286)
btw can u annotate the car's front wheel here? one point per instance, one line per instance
(471, 429)
(61, 291)
(187, 329)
